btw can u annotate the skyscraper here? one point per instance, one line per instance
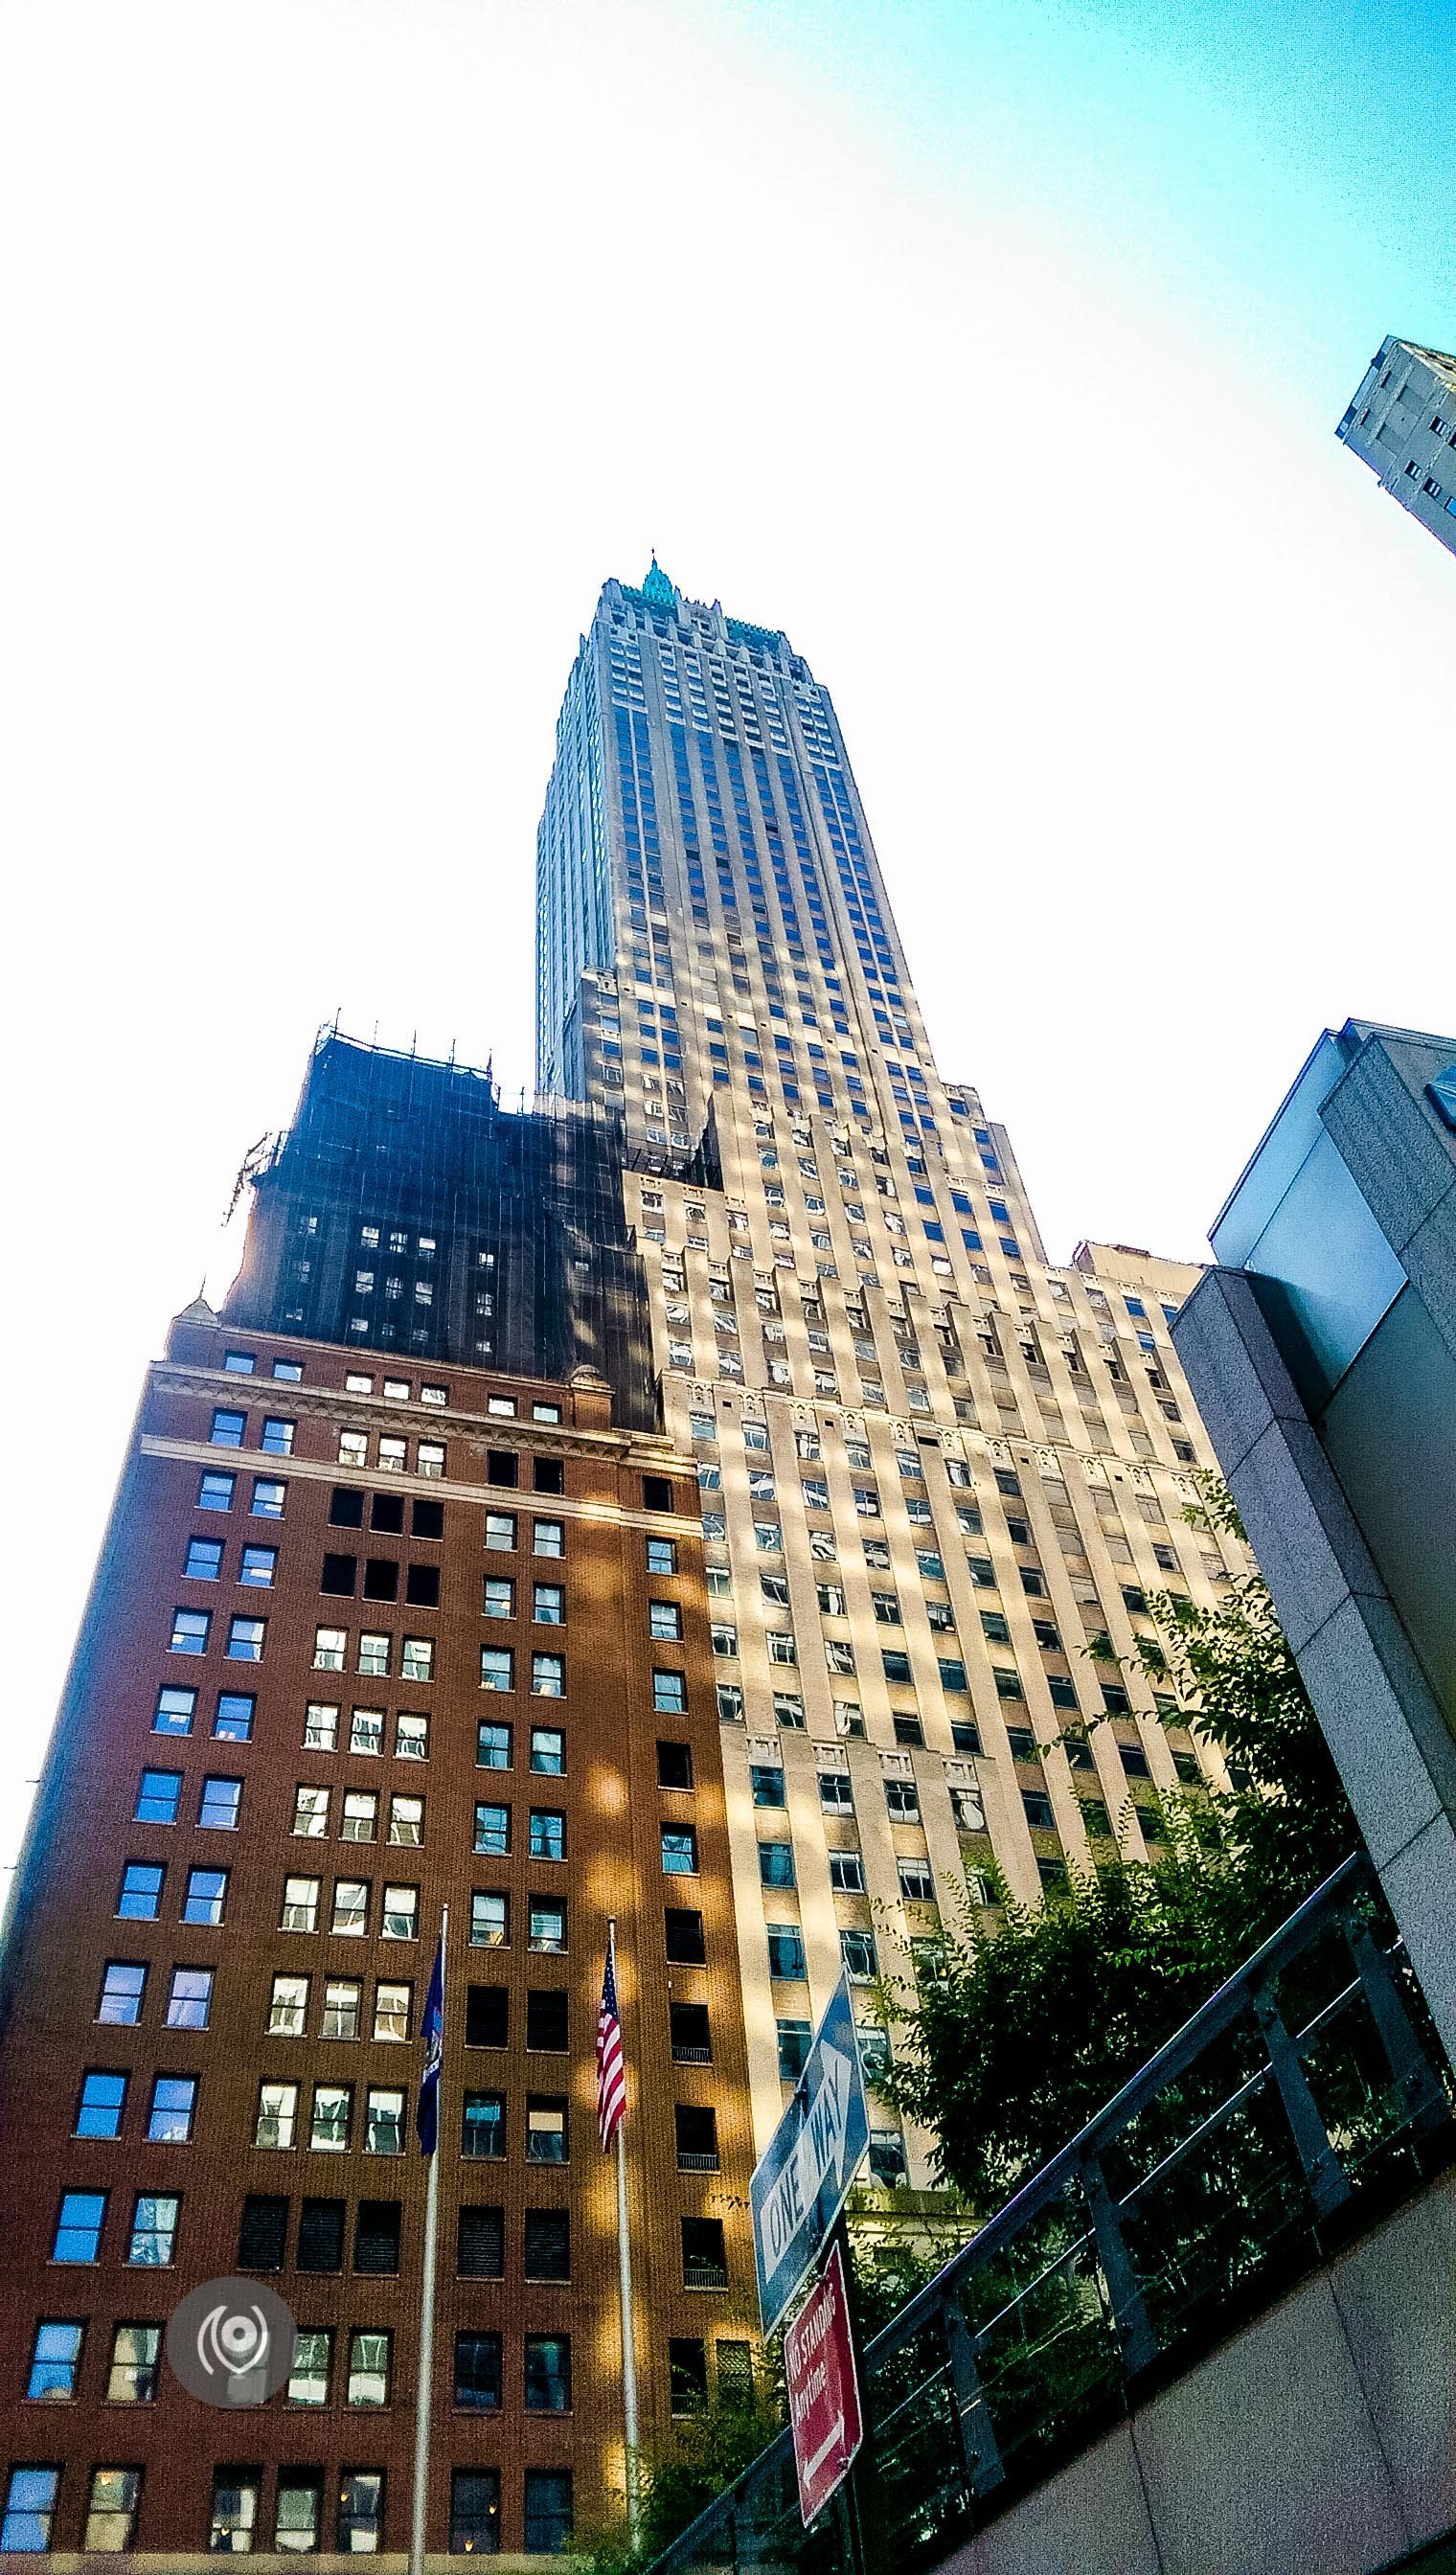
(1402, 423)
(937, 1472)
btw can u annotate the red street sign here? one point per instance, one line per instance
(823, 2393)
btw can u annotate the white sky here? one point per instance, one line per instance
(349, 347)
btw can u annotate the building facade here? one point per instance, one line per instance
(933, 1468)
(371, 1633)
(1323, 1352)
(1402, 424)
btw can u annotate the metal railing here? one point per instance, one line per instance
(1300, 2101)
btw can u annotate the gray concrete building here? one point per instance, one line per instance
(1402, 423)
(1322, 1353)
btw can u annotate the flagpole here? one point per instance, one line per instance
(425, 2378)
(623, 2258)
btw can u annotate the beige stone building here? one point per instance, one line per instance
(933, 1467)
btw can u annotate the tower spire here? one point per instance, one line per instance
(658, 588)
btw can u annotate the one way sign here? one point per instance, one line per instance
(805, 2171)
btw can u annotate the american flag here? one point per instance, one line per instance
(611, 2068)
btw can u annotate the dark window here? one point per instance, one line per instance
(675, 1765)
(263, 2233)
(908, 1729)
(1115, 1700)
(705, 2263)
(377, 2237)
(387, 1514)
(320, 2236)
(483, 2126)
(487, 2016)
(657, 1492)
(426, 1519)
(380, 1579)
(546, 2017)
(548, 1475)
(422, 1586)
(548, 2374)
(479, 2243)
(687, 2023)
(1038, 1810)
(686, 2374)
(686, 1946)
(1134, 1760)
(477, 2377)
(897, 1666)
(502, 1466)
(346, 1507)
(697, 2135)
(547, 2527)
(340, 1575)
(475, 2512)
(548, 2245)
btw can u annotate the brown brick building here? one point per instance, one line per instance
(369, 1636)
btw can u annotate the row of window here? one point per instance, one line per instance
(237, 2526)
(229, 1429)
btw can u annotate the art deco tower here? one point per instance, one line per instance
(933, 1468)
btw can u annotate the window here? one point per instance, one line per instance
(269, 1498)
(277, 2121)
(111, 2510)
(416, 1658)
(206, 1898)
(887, 2164)
(384, 2120)
(493, 1830)
(299, 2514)
(350, 1908)
(343, 1997)
(245, 1640)
(902, 1801)
(123, 1985)
(765, 1781)
(360, 2521)
(477, 2387)
(141, 1891)
(548, 2374)
(175, 1711)
(483, 2126)
(313, 2356)
(490, 1919)
(299, 1905)
(220, 1804)
(786, 1950)
(501, 1530)
(549, 1605)
(258, 1566)
(376, 2237)
(288, 2007)
(917, 1884)
(549, 1750)
(233, 1722)
(311, 1813)
(548, 1925)
(547, 2527)
(54, 2360)
(836, 1798)
(547, 2018)
(475, 2512)
(683, 1936)
(662, 1555)
(154, 2230)
(277, 1437)
(204, 1561)
(498, 1667)
(407, 1820)
(680, 1850)
(189, 2000)
(775, 1864)
(99, 2109)
(365, 1730)
(704, 2262)
(857, 1948)
(227, 1429)
(190, 1631)
(487, 2016)
(333, 2111)
(1037, 1807)
(132, 2378)
(547, 1676)
(669, 1694)
(412, 1737)
(399, 1912)
(548, 1833)
(79, 2221)
(847, 1873)
(546, 2129)
(689, 2033)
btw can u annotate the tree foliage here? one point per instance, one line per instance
(1040, 2014)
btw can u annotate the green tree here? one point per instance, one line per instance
(1038, 2014)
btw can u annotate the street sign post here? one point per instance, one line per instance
(805, 2170)
(824, 2390)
